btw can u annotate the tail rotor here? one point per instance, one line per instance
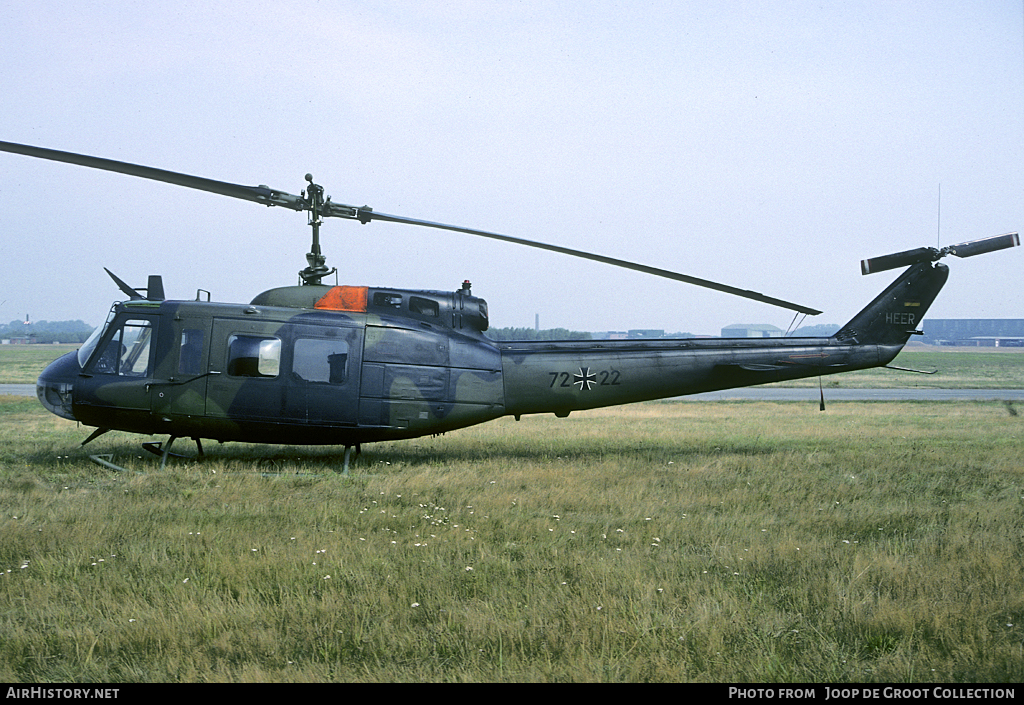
(932, 254)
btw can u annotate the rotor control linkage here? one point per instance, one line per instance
(316, 268)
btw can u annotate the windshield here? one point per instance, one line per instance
(85, 352)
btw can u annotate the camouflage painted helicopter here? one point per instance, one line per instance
(346, 365)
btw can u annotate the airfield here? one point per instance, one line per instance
(725, 541)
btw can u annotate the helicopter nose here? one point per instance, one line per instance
(56, 383)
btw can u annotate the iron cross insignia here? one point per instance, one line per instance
(585, 378)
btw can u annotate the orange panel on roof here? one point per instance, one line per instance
(343, 298)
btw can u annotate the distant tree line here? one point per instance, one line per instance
(48, 331)
(534, 334)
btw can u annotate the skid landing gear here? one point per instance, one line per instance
(161, 449)
(348, 456)
(164, 451)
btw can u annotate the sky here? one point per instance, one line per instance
(765, 145)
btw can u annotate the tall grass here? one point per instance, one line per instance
(655, 542)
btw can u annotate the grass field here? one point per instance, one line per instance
(740, 542)
(21, 364)
(955, 368)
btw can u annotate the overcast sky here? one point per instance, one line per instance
(765, 145)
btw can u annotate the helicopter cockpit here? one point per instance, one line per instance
(125, 353)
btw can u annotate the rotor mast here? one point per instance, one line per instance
(316, 268)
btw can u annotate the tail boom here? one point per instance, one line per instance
(548, 377)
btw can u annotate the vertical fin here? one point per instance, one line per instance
(896, 313)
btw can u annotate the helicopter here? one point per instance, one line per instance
(344, 365)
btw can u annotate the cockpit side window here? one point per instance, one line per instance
(85, 352)
(127, 353)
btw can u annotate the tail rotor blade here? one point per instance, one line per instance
(988, 244)
(899, 259)
(930, 254)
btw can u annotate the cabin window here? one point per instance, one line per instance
(191, 353)
(128, 351)
(424, 307)
(320, 360)
(383, 298)
(253, 356)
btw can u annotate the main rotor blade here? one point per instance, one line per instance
(745, 293)
(258, 194)
(271, 197)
